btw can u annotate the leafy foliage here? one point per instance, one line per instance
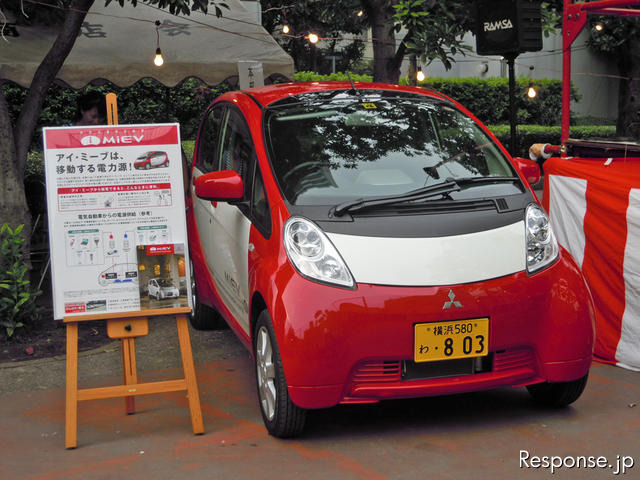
(147, 101)
(328, 19)
(530, 134)
(488, 99)
(17, 298)
(434, 29)
(338, 77)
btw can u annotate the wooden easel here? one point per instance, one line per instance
(127, 326)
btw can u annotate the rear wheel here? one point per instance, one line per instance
(203, 317)
(282, 418)
(558, 394)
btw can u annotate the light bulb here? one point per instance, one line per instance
(420, 75)
(313, 38)
(531, 92)
(286, 29)
(599, 27)
(158, 60)
(360, 13)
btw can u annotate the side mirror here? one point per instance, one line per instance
(529, 168)
(222, 186)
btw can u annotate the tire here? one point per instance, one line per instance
(147, 166)
(558, 394)
(282, 418)
(203, 317)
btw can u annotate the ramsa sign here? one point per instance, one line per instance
(498, 25)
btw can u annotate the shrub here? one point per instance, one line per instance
(488, 99)
(527, 135)
(147, 101)
(337, 77)
(17, 299)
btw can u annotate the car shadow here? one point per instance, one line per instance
(495, 409)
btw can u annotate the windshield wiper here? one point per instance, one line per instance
(442, 189)
(468, 180)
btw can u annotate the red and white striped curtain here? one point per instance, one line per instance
(594, 205)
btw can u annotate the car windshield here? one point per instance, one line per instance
(143, 156)
(163, 282)
(331, 147)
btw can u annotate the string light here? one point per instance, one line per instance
(313, 38)
(598, 27)
(531, 91)
(360, 13)
(371, 40)
(285, 27)
(420, 76)
(158, 61)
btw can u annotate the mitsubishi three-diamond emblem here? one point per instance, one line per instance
(451, 301)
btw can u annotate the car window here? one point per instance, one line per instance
(332, 147)
(207, 159)
(237, 152)
(237, 145)
(260, 214)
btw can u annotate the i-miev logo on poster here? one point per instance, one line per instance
(112, 140)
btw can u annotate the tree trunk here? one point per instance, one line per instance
(44, 77)
(385, 67)
(14, 144)
(13, 202)
(629, 95)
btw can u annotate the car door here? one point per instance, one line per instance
(156, 159)
(207, 160)
(231, 223)
(225, 144)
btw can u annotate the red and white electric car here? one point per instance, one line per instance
(372, 241)
(151, 160)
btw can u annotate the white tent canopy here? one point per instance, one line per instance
(119, 43)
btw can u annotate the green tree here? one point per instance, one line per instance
(328, 19)
(620, 39)
(15, 142)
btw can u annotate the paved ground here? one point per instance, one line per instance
(477, 436)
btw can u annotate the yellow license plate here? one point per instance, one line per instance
(449, 340)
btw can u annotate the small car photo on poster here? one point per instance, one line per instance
(162, 276)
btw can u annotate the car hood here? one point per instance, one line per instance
(434, 261)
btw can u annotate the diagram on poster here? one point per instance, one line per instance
(111, 189)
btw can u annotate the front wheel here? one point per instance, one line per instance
(282, 418)
(558, 394)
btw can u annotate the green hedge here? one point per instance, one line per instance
(150, 102)
(336, 77)
(147, 101)
(530, 134)
(488, 99)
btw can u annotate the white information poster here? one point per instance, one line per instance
(112, 190)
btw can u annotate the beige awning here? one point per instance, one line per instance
(119, 43)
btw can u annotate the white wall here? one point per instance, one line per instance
(599, 94)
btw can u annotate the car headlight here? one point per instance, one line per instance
(542, 246)
(313, 255)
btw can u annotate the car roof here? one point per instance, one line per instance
(272, 93)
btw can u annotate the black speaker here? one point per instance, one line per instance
(508, 26)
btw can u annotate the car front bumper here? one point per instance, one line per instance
(353, 346)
